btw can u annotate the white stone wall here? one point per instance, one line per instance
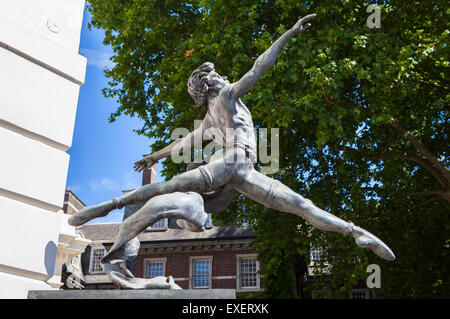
(40, 76)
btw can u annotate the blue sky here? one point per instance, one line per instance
(102, 153)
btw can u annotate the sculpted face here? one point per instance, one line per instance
(215, 81)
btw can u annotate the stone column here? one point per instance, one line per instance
(70, 244)
(40, 76)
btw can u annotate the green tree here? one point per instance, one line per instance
(363, 118)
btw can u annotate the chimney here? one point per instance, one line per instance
(149, 175)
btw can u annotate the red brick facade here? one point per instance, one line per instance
(224, 266)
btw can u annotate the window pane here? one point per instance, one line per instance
(162, 223)
(75, 261)
(247, 272)
(97, 255)
(316, 253)
(155, 269)
(359, 295)
(201, 269)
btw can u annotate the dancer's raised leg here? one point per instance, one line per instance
(276, 195)
(188, 181)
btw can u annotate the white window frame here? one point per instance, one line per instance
(238, 273)
(91, 265)
(191, 271)
(313, 265)
(154, 260)
(365, 291)
(165, 227)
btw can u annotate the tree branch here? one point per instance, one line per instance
(425, 193)
(421, 204)
(420, 159)
(325, 96)
(427, 201)
(434, 160)
(433, 84)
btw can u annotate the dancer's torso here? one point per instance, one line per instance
(229, 123)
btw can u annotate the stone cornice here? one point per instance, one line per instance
(198, 245)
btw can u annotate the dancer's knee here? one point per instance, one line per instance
(189, 182)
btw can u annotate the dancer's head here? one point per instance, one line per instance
(205, 81)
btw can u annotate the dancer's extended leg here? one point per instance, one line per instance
(193, 180)
(274, 194)
(224, 166)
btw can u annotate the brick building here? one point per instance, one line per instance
(219, 257)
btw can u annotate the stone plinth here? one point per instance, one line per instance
(134, 294)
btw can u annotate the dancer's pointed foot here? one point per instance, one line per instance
(125, 270)
(120, 266)
(367, 240)
(172, 283)
(91, 212)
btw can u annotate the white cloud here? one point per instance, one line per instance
(74, 188)
(103, 184)
(99, 59)
(131, 180)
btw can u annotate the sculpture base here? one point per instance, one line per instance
(134, 294)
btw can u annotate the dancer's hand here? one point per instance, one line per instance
(144, 163)
(301, 24)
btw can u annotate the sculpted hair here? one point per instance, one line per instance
(197, 84)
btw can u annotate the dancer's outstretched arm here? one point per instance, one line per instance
(265, 61)
(182, 143)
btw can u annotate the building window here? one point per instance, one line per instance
(208, 223)
(319, 264)
(247, 272)
(201, 272)
(359, 294)
(96, 256)
(75, 261)
(155, 267)
(160, 224)
(316, 254)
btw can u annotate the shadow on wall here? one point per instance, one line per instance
(50, 257)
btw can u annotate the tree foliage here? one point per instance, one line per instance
(363, 118)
